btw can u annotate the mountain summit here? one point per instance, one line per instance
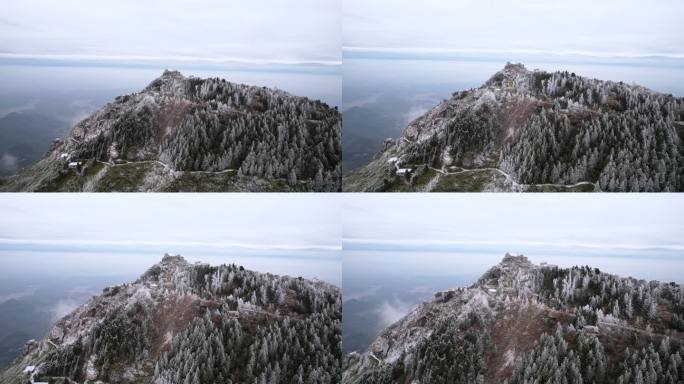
(527, 323)
(536, 131)
(190, 134)
(193, 323)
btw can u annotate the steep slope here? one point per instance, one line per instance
(525, 323)
(191, 134)
(536, 131)
(194, 323)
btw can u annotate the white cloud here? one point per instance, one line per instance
(609, 27)
(283, 31)
(569, 220)
(8, 163)
(258, 221)
(63, 308)
(391, 311)
(415, 112)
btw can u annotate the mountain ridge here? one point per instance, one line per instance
(192, 134)
(152, 329)
(522, 322)
(528, 130)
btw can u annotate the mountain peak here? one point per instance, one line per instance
(504, 136)
(165, 269)
(517, 67)
(511, 268)
(193, 134)
(508, 76)
(515, 260)
(170, 82)
(173, 259)
(168, 73)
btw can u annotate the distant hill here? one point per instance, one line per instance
(191, 134)
(526, 323)
(536, 131)
(193, 323)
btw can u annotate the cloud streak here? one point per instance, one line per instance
(256, 31)
(391, 311)
(623, 221)
(63, 308)
(269, 221)
(631, 28)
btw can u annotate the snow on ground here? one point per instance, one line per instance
(91, 371)
(509, 357)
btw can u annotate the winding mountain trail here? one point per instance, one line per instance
(512, 180)
(166, 166)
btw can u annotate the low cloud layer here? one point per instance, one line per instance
(8, 163)
(30, 291)
(63, 308)
(390, 311)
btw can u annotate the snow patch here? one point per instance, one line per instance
(478, 303)
(509, 357)
(168, 336)
(91, 371)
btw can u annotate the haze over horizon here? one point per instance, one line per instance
(89, 234)
(211, 30)
(530, 26)
(603, 220)
(173, 218)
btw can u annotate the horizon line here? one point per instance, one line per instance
(187, 59)
(218, 245)
(591, 54)
(674, 247)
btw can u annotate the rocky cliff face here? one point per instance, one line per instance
(523, 323)
(536, 131)
(192, 134)
(193, 323)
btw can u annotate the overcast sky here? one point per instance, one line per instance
(603, 220)
(604, 27)
(251, 220)
(287, 31)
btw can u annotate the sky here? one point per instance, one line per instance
(588, 27)
(254, 221)
(257, 31)
(629, 221)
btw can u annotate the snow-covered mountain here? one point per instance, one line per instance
(536, 131)
(526, 323)
(194, 323)
(191, 134)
